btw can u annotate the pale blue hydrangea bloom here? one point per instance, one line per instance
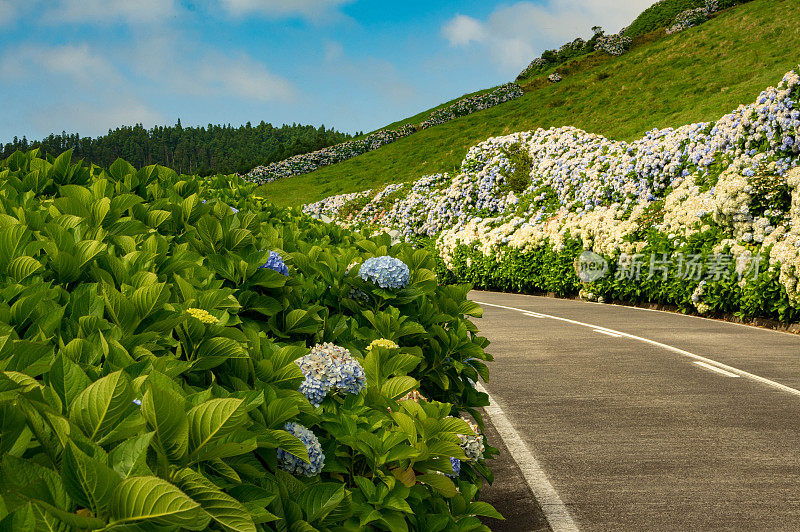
(386, 272)
(472, 444)
(275, 262)
(316, 457)
(330, 368)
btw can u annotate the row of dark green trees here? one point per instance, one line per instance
(193, 150)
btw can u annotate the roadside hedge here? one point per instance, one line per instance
(149, 328)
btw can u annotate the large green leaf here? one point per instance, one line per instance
(398, 386)
(154, 501)
(130, 457)
(100, 406)
(21, 268)
(67, 379)
(224, 509)
(212, 420)
(88, 481)
(440, 483)
(149, 299)
(217, 350)
(164, 413)
(318, 500)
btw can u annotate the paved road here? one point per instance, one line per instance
(636, 436)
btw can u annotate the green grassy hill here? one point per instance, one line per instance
(697, 75)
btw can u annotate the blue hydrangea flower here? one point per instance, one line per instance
(235, 210)
(275, 262)
(330, 368)
(456, 463)
(386, 272)
(316, 457)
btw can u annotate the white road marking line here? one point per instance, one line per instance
(718, 365)
(532, 315)
(608, 333)
(553, 507)
(714, 368)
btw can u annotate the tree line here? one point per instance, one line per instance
(193, 150)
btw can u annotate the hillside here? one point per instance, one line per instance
(693, 76)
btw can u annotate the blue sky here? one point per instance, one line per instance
(89, 65)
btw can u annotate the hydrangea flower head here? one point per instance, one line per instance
(472, 444)
(382, 342)
(456, 463)
(385, 271)
(275, 262)
(328, 369)
(202, 315)
(359, 296)
(316, 457)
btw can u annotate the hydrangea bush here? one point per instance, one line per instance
(724, 188)
(152, 346)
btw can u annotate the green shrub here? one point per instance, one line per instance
(148, 372)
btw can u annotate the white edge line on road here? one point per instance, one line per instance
(553, 507)
(714, 368)
(608, 333)
(683, 352)
(669, 312)
(533, 315)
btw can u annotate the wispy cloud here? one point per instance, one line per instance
(316, 10)
(182, 66)
(103, 11)
(512, 35)
(78, 62)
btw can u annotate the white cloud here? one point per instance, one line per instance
(181, 67)
(513, 35)
(83, 90)
(462, 30)
(243, 77)
(79, 62)
(317, 10)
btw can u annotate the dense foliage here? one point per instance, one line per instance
(705, 217)
(201, 150)
(160, 338)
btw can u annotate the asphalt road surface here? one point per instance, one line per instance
(627, 419)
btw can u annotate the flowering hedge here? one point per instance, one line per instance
(715, 202)
(308, 162)
(467, 106)
(179, 355)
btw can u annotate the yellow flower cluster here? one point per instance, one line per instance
(202, 315)
(383, 342)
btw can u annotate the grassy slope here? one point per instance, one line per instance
(697, 75)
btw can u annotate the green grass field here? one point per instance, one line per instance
(697, 75)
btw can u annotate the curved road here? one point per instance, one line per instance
(641, 420)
